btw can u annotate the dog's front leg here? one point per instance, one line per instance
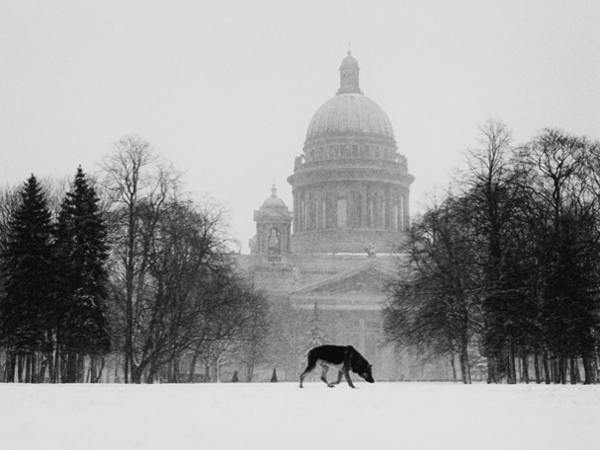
(347, 375)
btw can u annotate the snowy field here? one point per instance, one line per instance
(282, 416)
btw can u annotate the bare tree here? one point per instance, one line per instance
(563, 176)
(138, 184)
(434, 305)
(184, 249)
(495, 189)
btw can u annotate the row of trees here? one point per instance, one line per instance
(52, 307)
(507, 264)
(139, 272)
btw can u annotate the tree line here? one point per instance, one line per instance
(504, 268)
(123, 267)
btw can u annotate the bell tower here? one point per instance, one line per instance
(273, 229)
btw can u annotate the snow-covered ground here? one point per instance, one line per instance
(282, 416)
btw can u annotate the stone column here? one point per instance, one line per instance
(365, 206)
(296, 211)
(406, 209)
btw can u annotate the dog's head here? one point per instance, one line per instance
(365, 372)
(362, 367)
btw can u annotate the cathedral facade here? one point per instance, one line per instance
(329, 258)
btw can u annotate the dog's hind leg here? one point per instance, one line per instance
(312, 362)
(339, 379)
(306, 371)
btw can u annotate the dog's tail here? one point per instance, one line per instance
(312, 362)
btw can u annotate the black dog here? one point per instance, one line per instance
(341, 358)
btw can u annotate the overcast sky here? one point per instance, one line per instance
(226, 89)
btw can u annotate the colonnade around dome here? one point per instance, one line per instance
(350, 153)
(351, 207)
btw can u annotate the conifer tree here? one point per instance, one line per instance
(82, 251)
(26, 305)
(316, 334)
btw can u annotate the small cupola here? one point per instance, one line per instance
(349, 71)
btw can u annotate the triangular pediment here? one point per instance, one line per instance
(369, 278)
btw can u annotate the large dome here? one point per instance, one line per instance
(350, 186)
(351, 112)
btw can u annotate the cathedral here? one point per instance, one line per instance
(330, 256)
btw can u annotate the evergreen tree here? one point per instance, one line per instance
(26, 305)
(82, 252)
(316, 334)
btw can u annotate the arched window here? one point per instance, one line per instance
(355, 213)
(376, 210)
(274, 242)
(330, 212)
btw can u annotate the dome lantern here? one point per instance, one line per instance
(349, 71)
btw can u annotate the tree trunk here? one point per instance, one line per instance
(151, 374)
(555, 370)
(96, 368)
(588, 369)
(492, 369)
(536, 368)
(137, 373)
(575, 377)
(11, 365)
(525, 369)
(250, 372)
(464, 366)
(562, 370)
(21, 368)
(51, 366)
(511, 365)
(91, 371)
(28, 368)
(43, 367)
(193, 364)
(56, 363)
(70, 372)
(453, 365)
(176, 373)
(546, 368)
